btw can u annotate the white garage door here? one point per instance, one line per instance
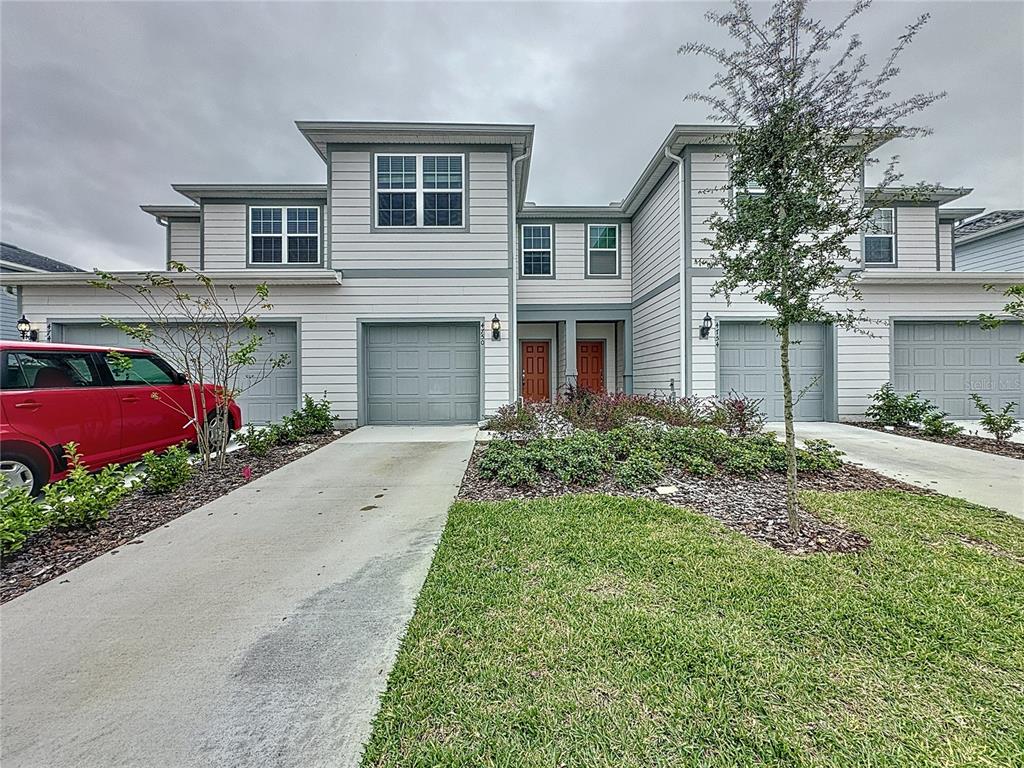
(262, 402)
(422, 373)
(947, 361)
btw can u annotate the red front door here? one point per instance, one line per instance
(590, 365)
(535, 356)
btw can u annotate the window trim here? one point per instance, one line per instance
(522, 250)
(284, 208)
(618, 253)
(892, 237)
(419, 192)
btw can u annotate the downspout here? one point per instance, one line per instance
(513, 312)
(684, 320)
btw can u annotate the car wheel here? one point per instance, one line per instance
(22, 471)
(215, 427)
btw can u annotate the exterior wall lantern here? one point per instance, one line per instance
(705, 326)
(495, 328)
(25, 329)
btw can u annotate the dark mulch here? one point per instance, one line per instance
(52, 553)
(755, 507)
(974, 442)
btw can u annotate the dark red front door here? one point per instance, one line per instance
(535, 356)
(590, 365)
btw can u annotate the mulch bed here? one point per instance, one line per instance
(974, 442)
(755, 507)
(52, 553)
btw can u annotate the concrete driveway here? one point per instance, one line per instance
(984, 478)
(256, 631)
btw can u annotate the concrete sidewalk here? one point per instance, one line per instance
(258, 630)
(983, 478)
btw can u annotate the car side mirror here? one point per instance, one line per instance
(180, 378)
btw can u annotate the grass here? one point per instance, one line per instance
(597, 631)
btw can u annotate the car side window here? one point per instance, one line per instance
(138, 369)
(49, 370)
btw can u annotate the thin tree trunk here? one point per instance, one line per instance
(792, 508)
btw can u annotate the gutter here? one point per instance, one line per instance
(875, 277)
(513, 312)
(684, 322)
(224, 276)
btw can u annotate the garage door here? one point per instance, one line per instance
(422, 373)
(749, 365)
(947, 361)
(266, 401)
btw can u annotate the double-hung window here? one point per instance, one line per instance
(602, 250)
(537, 251)
(420, 191)
(284, 235)
(880, 237)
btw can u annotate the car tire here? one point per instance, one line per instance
(21, 469)
(212, 415)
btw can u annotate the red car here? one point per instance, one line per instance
(52, 394)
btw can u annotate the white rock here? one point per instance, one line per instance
(666, 490)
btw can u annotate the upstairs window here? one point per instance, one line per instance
(284, 235)
(880, 237)
(537, 251)
(602, 250)
(425, 191)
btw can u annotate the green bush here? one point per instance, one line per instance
(582, 458)
(1001, 425)
(259, 440)
(82, 498)
(166, 471)
(819, 456)
(935, 424)
(624, 441)
(678, 445)
(891, 409)
(314, 418)
(20, 517)
(695, 465)
(643, 467)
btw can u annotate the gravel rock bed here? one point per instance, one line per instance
(755, 507)
(52, 553)
(974, 442)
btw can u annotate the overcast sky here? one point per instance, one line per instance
(104, 105)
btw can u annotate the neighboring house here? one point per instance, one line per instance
(991, 243)
(385, 281)
(15, 259)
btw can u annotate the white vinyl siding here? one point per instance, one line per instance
(655, 245)
(327, 341)
(224, 236)
(945, 247)
(355, 244)
(915, 238)
(571, 286)
(656, 353)
(1003, 252)
(184, 239)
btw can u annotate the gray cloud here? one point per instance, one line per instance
(104, 105)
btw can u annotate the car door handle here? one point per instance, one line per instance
(130, 399)
(30, 405)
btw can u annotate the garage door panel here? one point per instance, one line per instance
(380, 385)
(380, 360)
(948, 360)
(434, 373)
(749, 365)
(269, 395)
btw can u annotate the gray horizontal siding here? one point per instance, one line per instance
(656, 350)
(184, 242)
(915, 238)
(655, 240)
(571, 286)
(9, 314)
(224, 243)
(999, 253)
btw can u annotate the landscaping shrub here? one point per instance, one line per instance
(83, 498)
(314, 418)
(514, 417)
(636, 436)
(20, 517)
(935, 424)
(510, 463)
(642, 467)
(891, 409)
(818, 456)
(740, 416)
(582, 458)
(677, 445)
(259, 440)
(1001, 425)
(166, 471)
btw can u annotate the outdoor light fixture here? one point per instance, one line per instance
(705, 326)
(25, 329)
(495, 328)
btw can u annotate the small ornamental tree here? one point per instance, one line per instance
(207, 332)
(806, 115)
(1014, 307)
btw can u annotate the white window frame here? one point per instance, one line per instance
(419, 191)
(616, 251)
(284, 235)
(891, 236)
(550, 251)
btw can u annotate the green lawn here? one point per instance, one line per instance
(597, 631)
